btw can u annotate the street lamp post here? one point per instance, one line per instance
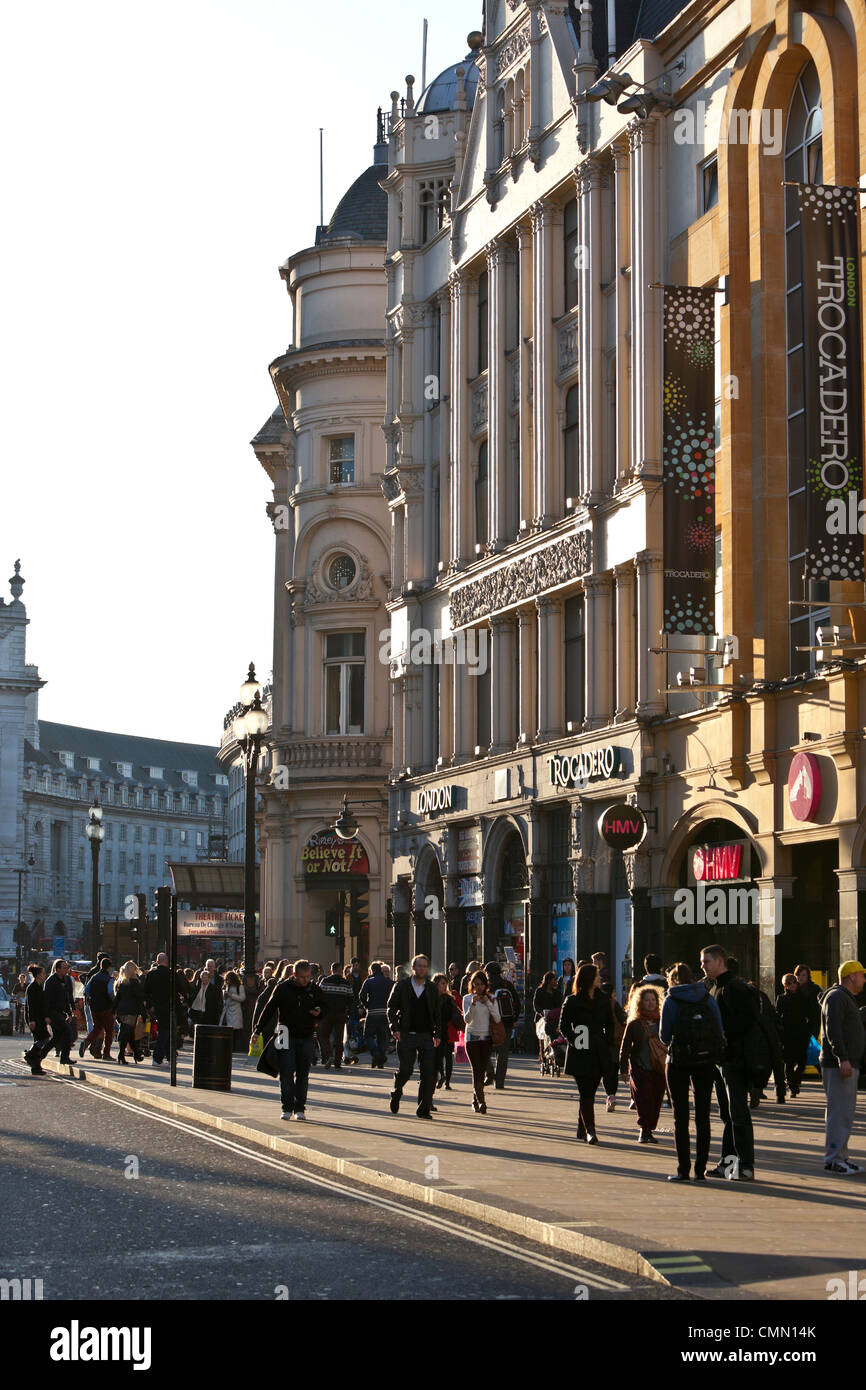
(19, 924)
(95, 834)
(248, 729)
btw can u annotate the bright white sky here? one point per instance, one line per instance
(159, 162)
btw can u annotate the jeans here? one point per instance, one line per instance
(330, 1031)
(410, 1046)
(732, 1093)
(701, 1079)
(841, 1093)
(295, 1063)
(478, 1051)
(376, 1037)
(497, 1066)
(103, 1023)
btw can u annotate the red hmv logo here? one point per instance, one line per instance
(622, 826)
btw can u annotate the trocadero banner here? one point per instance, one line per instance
(831, 323)
(689, 460)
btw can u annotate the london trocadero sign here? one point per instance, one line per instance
(589, 765)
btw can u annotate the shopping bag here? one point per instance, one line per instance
(256, 1046)
(812, 1053)
(460, 1054)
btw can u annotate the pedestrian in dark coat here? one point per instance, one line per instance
(586, 1022)
(130, 1006)
(35, 1020)
(792, 1011)
(59, 1008)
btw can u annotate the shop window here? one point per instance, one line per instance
(344, 682)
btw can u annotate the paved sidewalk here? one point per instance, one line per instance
(520, 1167)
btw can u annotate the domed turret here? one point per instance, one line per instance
(441, 93)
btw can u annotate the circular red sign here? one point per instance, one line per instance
(804, 786)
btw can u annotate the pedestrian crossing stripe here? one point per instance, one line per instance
(679, 1264)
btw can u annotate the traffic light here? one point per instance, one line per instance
(163, 914)
(360, 909)
(141, 901)
(21, 935)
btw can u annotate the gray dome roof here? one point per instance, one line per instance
(441, 93)
(362, 212)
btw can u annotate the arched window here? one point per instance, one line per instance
(571, 471)
(519, 94)
(499, 147)
(509, 118)
(481, 495)
(803, 164)
(569, 251)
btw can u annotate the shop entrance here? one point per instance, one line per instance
(810, 930)
(514, 896)
(717, 899)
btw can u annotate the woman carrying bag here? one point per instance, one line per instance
(129, 1008)
(484, 1030)
(642, 1058)
(452, 1026)
(589, 1010)
(232, 1015)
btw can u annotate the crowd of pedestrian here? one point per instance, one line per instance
(679, 1040)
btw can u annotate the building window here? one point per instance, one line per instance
(341, 460)
(156, 773)
(199, 839)
(136, 834)
(136, 863)
(93, 764)
(125, 769)
(571, 440)
(803, 164)
(221, 779)
(121, 832)
(168, 835)
(709, 184)
(344, 682)
(482, 707)
(433, 207)
(190, 778)
(575, 660)
(81, 856)
(109, 831)
(109, 860)
(482, 321)
(341, 572)
(481, 495)
(151, 864)
(569, 251)
(122, 862)
(67, 759)
(183, 837)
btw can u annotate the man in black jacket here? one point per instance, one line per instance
(34, 1017)
(298, 1004)
(738, 1006)
(59, 1008)
(810, 993)
(157, 993)
(339, 998)
(98, 993)
(413, 1016)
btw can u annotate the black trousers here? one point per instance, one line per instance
(446, 1060)
(62, 1036)
(410, 1047)
(701, 1079)
(732, 1093)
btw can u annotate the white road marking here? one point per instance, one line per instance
(489, 1242)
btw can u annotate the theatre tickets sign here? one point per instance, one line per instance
(835, 520)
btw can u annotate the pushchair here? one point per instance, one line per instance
(552, 1043)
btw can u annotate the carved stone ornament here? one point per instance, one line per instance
(511, 50)
(479, 409)
(319, 589)
(637, 872)
(583, 874)
(390, 486)
(565, 559)
(567, 348)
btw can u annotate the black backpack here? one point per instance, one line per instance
(505, 1000)
(697, 1038)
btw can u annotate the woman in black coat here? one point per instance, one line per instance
(586, 1022)
(129, 1006)
(793, 1013)
(206, 1001)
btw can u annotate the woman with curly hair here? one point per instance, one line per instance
(642, 1058)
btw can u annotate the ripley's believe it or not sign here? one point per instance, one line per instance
(831, 335)
(325, 853)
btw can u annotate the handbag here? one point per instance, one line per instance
(460, 1053)
(256, 1046)
(127, 1020)
(658, 1053)
(269, 1062)
(618, 1028)
(497, 1032)
(140, 1029)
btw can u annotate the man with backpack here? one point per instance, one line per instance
(691, 1029)
(508, 999)
(738, 1006)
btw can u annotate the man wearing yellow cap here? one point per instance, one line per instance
(843, 1044)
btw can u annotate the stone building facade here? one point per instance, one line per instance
(524, 471)
(330, 735)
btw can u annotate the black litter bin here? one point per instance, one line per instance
(212, 1057)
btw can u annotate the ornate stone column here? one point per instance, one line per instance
(463, 713)
(527, 629)
(524, 263)
(623, 293)
(625, 687)
(646, 304)
(551, 668)
(590, 318)
(547, 489)
(651, 679)
(446, 712)
(461, 510)
(599, 695)
(497, 395)
(445, 465)
(503, 630)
